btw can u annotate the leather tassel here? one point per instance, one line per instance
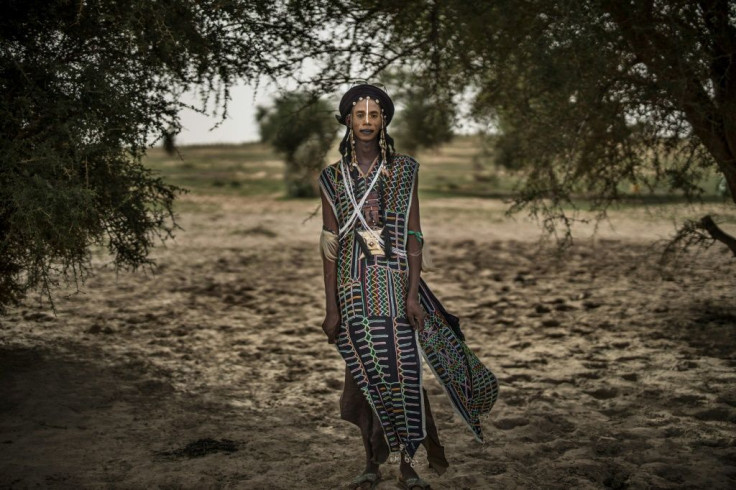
(363, 246)
(387, 245)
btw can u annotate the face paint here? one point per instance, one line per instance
(366, 108)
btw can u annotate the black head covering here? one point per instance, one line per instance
(365, 90)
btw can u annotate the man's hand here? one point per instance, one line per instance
(331, 325)
(415, 314)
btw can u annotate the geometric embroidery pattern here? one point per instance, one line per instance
(382, 356)
(383, 353)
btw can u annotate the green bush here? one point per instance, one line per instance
(302, 128)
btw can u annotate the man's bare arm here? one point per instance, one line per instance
(332, 315)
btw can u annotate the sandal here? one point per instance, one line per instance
(372, 478)
(410, 483)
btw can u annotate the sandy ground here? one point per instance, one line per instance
(213, 372)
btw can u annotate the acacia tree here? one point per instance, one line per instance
(598, 93)
(654, 71)
(85, 87)
(590, 95)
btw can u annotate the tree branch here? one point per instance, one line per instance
(718, 234)
(711, 123)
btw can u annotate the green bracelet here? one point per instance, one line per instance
(419, 236)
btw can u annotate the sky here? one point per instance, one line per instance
(240, 125)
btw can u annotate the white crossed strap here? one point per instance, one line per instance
(357, 213)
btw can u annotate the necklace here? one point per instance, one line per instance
(358, 166)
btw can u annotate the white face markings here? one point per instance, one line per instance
(369, 115)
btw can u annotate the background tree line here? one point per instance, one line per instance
(300, 125)
(588, 96)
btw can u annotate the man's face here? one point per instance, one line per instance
(365, 119)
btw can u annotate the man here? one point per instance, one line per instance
(378, 310)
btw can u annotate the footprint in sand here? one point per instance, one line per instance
(602, 393)
(509, 423)
(517, 377)
(717, 414)
(334, 383)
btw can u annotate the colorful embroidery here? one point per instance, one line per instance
(381, 349)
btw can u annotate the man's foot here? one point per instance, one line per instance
(409, 479)
(413, 484)
(368, 480)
